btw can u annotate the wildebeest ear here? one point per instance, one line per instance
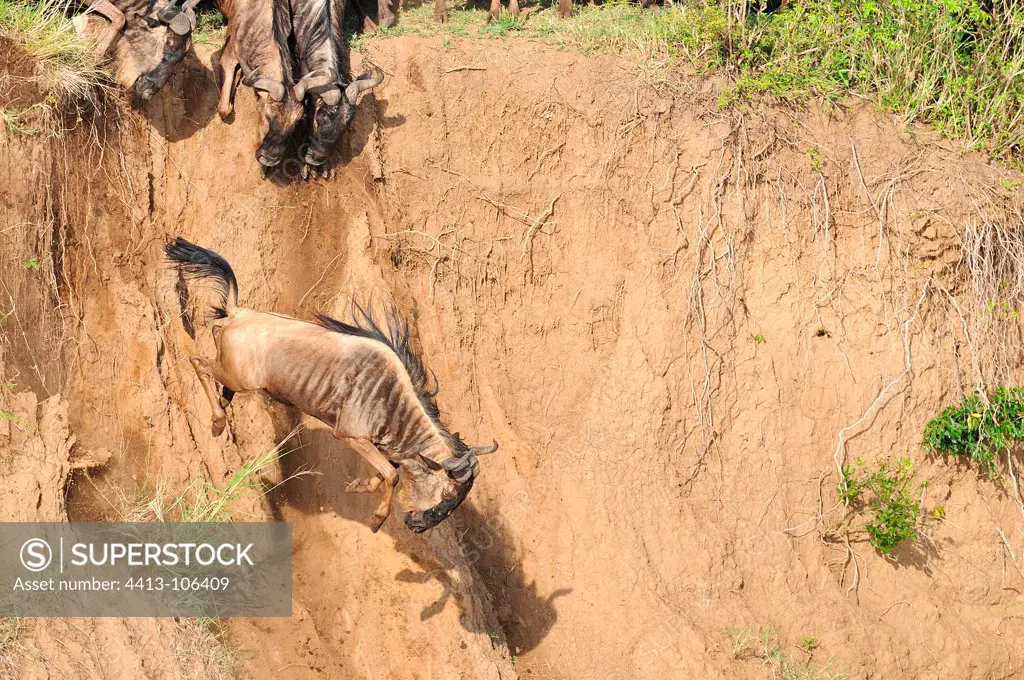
(432, 464)
(273, 88)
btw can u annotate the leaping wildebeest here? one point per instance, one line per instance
(150, 38)
(365, 382)
(319, 49)
(257, 42)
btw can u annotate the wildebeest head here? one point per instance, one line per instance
(174, 50)
(334, 109)
(280, 112)
(145, 56)
(431, 491)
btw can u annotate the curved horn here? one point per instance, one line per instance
(248, 73)
(365, 81)
(313, 81)
(432, 464)
(274, 88)
(483, 450)
(459, 468)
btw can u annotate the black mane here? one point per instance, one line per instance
(282, 25)
(312, 27)
(396, 337)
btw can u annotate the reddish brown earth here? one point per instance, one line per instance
(674, 320)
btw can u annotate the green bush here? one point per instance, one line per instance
(979, 429)
(887, 496)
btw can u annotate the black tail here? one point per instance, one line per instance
(196, 261)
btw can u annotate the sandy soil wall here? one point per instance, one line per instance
(674, 320)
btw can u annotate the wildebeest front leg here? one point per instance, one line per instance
(495, 11)
(440, 12)
(202, 368)
(388, 475)
(385, 17)
(228, 82)
(116, 17)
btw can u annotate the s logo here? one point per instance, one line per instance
(36, 554)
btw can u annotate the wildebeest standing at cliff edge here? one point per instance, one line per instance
(319, 49)
(257, 42)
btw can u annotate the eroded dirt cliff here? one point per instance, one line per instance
(676, 321)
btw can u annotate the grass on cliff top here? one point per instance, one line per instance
(951, 63)
(43, 28)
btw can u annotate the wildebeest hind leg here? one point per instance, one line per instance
(116, 17)
(364, 485)
(389, 475)
(202, 368)
(228, 82)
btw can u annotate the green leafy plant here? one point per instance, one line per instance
(759, 339)
(11, 118)
(211, 27)
(1001, 310)
(980, 428)
(815, 157)
(32, 263)
(809, 643)
(887, 496)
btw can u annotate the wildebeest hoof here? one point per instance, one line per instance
(263, 171)
(441, 17)
(325, 172)
(145, 87)
(364, 485)
(305, 171)
(218, 426)
(376, 523)
(386, 21)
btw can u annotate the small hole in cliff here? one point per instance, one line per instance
(822, 333)
(397, 258)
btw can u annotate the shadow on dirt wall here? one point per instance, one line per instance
(486, 545)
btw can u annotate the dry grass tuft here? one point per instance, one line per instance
(71, 69)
